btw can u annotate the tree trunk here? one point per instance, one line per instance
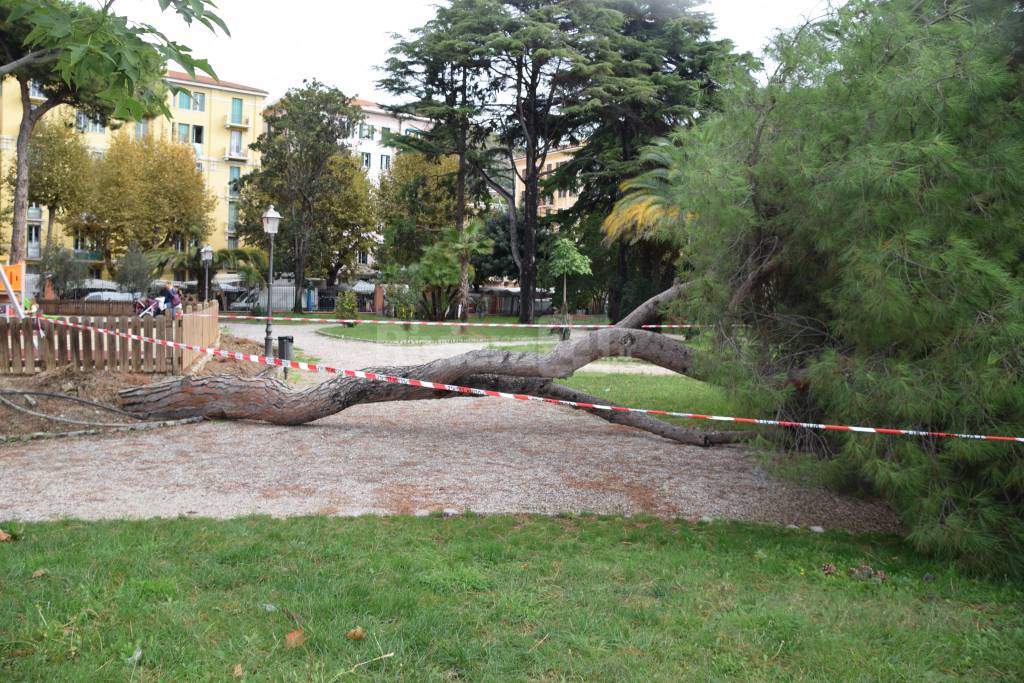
(528, 259)
(20, 223)
(51, 218)
(269, 400)
(618, 283)
(460, 223)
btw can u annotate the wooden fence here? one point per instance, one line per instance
(88, 308)
(23, 351)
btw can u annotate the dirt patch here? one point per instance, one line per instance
(99, 386)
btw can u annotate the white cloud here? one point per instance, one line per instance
(274, 44)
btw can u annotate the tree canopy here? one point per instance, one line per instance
(853, 228)
(306, 129)
(145, 192)
(88, 58)
(58, 168)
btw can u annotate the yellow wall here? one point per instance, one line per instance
(215, 120)
(560, 199)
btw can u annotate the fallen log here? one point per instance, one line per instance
(270, 400)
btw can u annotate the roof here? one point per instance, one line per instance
(213, 82)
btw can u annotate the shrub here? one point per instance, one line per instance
(345, 305)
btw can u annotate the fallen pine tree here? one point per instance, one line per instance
(268, 399)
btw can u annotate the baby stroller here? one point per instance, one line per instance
(151, 306)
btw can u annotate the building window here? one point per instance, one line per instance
(385, 136)
(232, 217)
(367, 160)
(232, 243)
(197, 135)
(183, 132)
(88, 124)
(80, 243)
(234, 173)
(184, 100)
(236, 110)
(364, 258)
(412, 131)
(141, 129)
(236, 143)
(35, 92)
(385, 162)
(366, 132)
(198, 101)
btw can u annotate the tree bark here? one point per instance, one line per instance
(283, 406)
(29, 117)
(51, 218)
(20, 223)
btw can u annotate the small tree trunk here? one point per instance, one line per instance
(618, 283)
(51, 218)
(460, 224)
(20, 224)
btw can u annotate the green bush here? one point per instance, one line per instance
(345, 306)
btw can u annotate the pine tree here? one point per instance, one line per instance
(860, 217)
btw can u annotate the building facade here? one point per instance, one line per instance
(371, 140)
(560, 199)
(217, 119)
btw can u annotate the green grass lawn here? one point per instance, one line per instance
(489, 598)
(661, 392)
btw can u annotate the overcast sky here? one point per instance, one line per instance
(274, 44)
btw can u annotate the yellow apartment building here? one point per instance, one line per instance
(559, 200)
(218, 119)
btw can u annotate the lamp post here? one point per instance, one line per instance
(271, 219)
(206, 256)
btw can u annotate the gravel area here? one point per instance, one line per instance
(458, 454)
(356, 354)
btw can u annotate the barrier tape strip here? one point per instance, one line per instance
(428, 323)
(392, 379)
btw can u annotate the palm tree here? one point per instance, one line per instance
(249, 263)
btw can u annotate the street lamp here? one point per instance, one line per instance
(271, 219)
(206, 256)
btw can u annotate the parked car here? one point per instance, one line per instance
(111, 296)
(247, 302)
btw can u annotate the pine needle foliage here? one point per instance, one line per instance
(855, 224)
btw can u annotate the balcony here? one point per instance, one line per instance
(242, 124)
(33, 250)
(231, 154)
(87, 255)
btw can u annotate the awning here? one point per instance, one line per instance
(363, 287)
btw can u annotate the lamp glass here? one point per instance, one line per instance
(207, 254)
(271, 219)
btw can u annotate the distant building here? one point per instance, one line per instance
(560, 199)
(217, 119)
(371, 139)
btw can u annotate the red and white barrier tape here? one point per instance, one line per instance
(360, 374)
(426, 323)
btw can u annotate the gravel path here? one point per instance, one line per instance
(458, 454)
(484, 455)
(356, 355)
